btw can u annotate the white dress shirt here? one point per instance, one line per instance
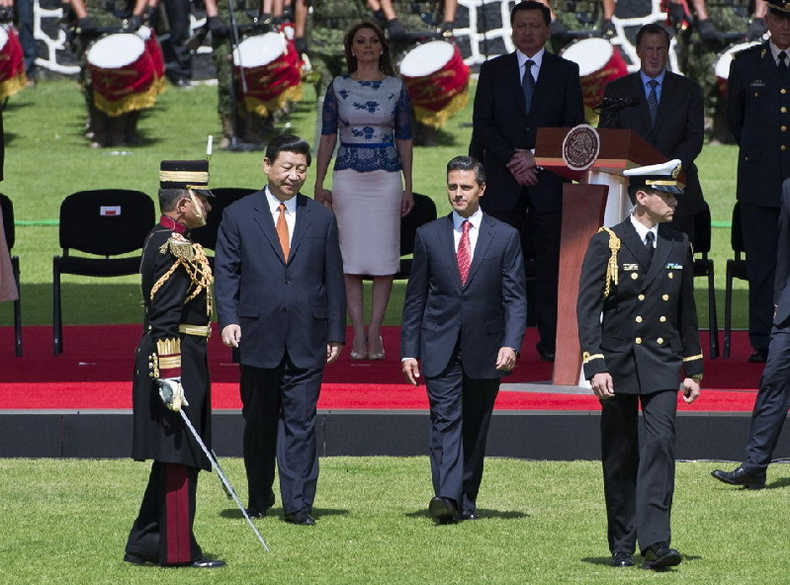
(290, 211)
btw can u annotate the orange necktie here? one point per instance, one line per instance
(282, 232)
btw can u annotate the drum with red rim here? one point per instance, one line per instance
(271, 72)
(155, 53)
(12, 63)
(123, 77)
(437, 79)
(599, 63)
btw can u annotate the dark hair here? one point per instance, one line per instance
(385, 60)
(169, 198)
(468, 163)
(531, 5)
(651, 29)
(288, 143)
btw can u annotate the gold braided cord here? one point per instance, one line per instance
(193, 258)
(611, 266)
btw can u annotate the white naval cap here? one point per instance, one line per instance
(660, 177)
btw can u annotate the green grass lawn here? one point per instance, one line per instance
(47, 158)
(66, 522)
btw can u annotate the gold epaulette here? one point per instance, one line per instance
(178, 246)
(611, 266)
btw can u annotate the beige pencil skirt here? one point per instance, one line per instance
(367, 207)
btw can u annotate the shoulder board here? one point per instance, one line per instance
(752, 49)
(178, 246)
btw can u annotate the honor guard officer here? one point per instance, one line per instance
(758, 111)
(645, 348)
(171, 372)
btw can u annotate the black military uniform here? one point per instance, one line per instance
(758, 111)
(176, 286)
(647, 342)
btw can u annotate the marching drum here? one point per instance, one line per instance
(271, 70)
(122, 74)
(599, 63)
(12, 63)
(437, 79)
(721, 65)
(155, 53)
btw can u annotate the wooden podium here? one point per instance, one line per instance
(599, 198)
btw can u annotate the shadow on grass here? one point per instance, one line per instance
(779, 484)
(484, 514)
(277, 513)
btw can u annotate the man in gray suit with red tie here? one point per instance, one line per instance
(518, 93)
(463, 318)
(281, 301)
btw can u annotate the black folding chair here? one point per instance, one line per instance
(206, 236)
(736, 268)
(703, 266)
(104, 223)
(10, 236)
(424, 210)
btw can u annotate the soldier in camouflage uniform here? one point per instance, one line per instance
(250, 126)
(85, 21)
(590, 17)
(716, 25)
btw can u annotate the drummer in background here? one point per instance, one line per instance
(178, 58)
(320, 37)
(675, 127)
(87, 18)
(576, 19)
(250, 127)
(706, 32)
(410, 23)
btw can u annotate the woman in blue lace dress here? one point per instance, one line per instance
(370, 110)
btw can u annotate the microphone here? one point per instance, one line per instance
(613, 104)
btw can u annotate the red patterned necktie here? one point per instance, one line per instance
(464, 253)
(282, 232)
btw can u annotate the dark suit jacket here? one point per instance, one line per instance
(502, 124)
(489, 312)
(679, 130)
(754, 112)
(296, 307)
(649, 332)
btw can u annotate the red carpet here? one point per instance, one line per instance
(95, 369)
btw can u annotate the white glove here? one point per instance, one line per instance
(172, 393)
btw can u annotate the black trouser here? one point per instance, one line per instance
(461, 410)
(178, 58)
(638, 483)
(279, 409)
(162, 532)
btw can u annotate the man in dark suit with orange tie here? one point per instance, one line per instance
(463, 318)
(518, 93)
(281, 301)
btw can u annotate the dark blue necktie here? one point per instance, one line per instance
(528, 84)
(649, 239)
(652, 101)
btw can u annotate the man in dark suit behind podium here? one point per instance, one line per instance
(281, 301)
(464, 317)
(676, 128)
(505, 129)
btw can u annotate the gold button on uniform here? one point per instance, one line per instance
(634, 276)
(662, 318)
(783, 91)
(638, 319)
(660, 340)
(638, 340)
(783, 109)
(783, 147)
(670, 275)
(641, 297)
(664, 297)
(783, 128)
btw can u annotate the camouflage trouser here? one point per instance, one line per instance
(575, 16)
(696, 58)
(221, 51)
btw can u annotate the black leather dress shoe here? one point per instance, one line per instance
(255, 512)
(135, 560)
(204, 563)
(621, 559)
(469, 516)
(739, 477)
(443, 510)
(659, 556)
(759, 356)
(300, 518)
(546, 354)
